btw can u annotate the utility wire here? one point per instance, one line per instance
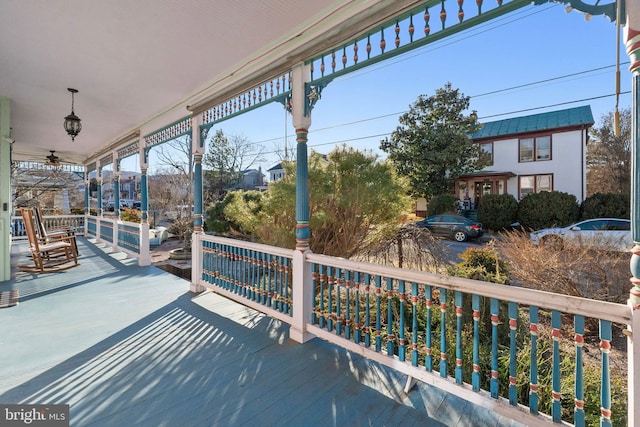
(478, 96)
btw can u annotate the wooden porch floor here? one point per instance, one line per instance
(128, 345)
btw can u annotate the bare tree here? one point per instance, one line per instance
(609, 156)
(36, 183)
(226, 158)
(177, 156)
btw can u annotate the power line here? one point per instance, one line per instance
(344, 141)
(478, 96)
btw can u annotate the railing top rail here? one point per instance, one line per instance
(618, 313)
(14, 217)
(249, 245)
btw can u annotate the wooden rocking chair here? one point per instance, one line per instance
(47, 257)
(65, 234)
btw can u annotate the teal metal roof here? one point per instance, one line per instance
(536, 122)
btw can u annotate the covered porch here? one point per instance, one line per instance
(130, 345)
(138, 345)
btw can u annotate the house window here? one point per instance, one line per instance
(535, 149)
(535, 184)
(487, 152)
(543, 148)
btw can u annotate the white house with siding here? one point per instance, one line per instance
(530, 154)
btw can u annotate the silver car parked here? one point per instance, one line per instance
(613, 234)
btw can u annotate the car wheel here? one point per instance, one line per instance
(460, 236)
(554, 242)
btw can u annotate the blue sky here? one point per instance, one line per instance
(532, 44)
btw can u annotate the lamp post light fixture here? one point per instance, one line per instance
(72, 122)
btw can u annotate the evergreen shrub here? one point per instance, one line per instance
(497, 211)
(442, 203)
(610, 205)
(548, 209)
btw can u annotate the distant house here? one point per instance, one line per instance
(530, 154)
(276, 172)
(251, 179)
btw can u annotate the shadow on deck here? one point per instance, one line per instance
(129, 345)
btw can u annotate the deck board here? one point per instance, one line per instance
(129, 345)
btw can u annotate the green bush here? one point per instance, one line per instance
(481, 264)
(220, 222)
(548, 209)
(497, 211)
(442, 203)
(608, 205)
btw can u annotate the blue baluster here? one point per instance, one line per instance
(330, 302)
(244, 273)
(367, 310)
(578, 417)
(495, 321)
(605, 383)
(390, 337)
(378, 314)
(277, 271)
(270, 285)
(414, 324)
(347, 330)
(314, 284)
(401, 333)
(458, 303)
(443, 332)
(322, 293)
(339, 301)
(285, 283)
(475, 376)
(513, 353)
(533, 368)
(556, 397)
(428, 360)
(358, 333)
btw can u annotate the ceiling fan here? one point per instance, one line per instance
(52, 159)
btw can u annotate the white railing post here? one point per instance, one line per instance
(196, 264)
(145, 253)
(633, 360)
(302, 295)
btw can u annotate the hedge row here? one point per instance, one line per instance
(549, 209)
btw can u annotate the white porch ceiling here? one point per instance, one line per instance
(138, 63)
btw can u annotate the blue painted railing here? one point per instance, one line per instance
(51, 222)
(517, 351)
(129, 236)
(106, 230)
(258, 275)
(92, 226)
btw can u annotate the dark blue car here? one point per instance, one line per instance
(452, 226)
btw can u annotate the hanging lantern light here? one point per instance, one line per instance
(72, 122)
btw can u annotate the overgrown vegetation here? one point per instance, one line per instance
(442, 203)
(498, 211)
(130, 215)
(577, 270)
(610, 205)
(548, 208)
(347, 190)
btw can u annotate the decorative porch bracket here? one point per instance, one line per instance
(401, 34)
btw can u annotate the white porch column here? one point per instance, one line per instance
(5, 188)
(302, 283)
(116, 198)
(197, 148)
(98, 198)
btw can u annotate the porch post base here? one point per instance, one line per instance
(300, 336)
(196, 288)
